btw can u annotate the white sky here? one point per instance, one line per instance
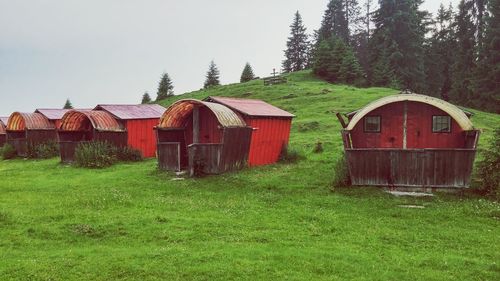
(111, 51)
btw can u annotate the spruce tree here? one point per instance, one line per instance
(146, 98)
(487, 76)
(296, 53)
(247, 73)
(68, 105)
(464, 55)
(350, 70)
(212, 77)
(322, 57)
(165, 87)
(334, 23)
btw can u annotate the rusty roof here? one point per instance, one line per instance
(52, 113)
(251, 107)
(83, 120)
(176, 114)
(133, 111)
(19, 121)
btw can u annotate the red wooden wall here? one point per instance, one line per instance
(209, 127)
(268, 137)
(419, 129)
(142, 136)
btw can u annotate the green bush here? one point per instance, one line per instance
(290, 155)
(8, 152)
(488, 170)
(96, 154)
(44, 150)
(341, 177)
(128, 154)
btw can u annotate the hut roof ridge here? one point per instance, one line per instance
(133, 111)
(251, 107)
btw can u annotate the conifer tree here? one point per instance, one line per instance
(146, 98)
(68, 105)
(334, 23)
(464, 55)
(212, 77)
(350, 70)
(165, 87)
(296, 53)
(487, 76)
(247, 73)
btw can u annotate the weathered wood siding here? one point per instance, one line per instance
(236, 148)
(69, 140)
(67, 150)
(411, 168)
(204, 158)
(169, 154)
(3, 139)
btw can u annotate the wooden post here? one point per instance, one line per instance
(342, 122)
(196, 124)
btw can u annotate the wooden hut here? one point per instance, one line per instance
(25, 129)
(271, 127)
(411, 141)
(138, 121)
(3, 132)
(203, 137)
(88, 125)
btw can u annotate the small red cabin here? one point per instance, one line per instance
(221, 134)
(271, 127)
(3, 132)
(24, 129)
(139, 121)
(410, 140)
(88, 125)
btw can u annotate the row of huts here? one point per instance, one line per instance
(214, 135)
(404, 140)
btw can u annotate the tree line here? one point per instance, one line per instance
(454, 55)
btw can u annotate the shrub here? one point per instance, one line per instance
(488, 175)
(341, 177)
(8, 152)
(96, 154)
(127, 154)
(44, 150)
(290, 155)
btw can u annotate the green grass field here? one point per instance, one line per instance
(284, 221)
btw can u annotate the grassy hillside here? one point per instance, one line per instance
(284, 221)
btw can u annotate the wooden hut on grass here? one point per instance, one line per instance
(203, 137)
(3, 132)
(88, 125)
(411, 141)
(24, 129)
(221, 134)
(271, 127)
(139, 121)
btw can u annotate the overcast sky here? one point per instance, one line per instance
(111, 51)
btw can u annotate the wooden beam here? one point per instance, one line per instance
(196, 124)
(341, 119)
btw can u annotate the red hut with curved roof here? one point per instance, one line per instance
(3, 132)
(203, 137)
(410, 140)
(25, 129)
(88, 125)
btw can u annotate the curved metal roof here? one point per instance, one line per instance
(19, 121)
(81, 120)
(456, 113)
(175, 115)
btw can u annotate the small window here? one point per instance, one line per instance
(441, 124)
(372, 124)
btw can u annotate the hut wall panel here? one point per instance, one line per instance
(141, 135)
(168, 156)
(411, 168)
(3, 139)
(419, 129)
(173, 136)
(209, 128)
(67, 150)
(205, 158)
(41, 136)
(267, 140)
(115, 138)
(235, 148)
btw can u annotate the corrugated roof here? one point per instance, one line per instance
(175, 115)
(133, 111)
(52, 113)
(81, 120)
(252, 107)
(28, 121)
(456, 113)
